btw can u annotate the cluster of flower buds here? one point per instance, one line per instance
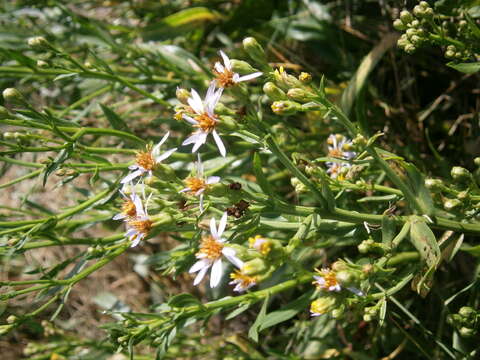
(414, 27)
(466, 321)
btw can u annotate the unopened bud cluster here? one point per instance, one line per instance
(466, 321)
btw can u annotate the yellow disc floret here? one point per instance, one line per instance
(210, 248)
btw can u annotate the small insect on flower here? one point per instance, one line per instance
(262, 245)
(139, 226)
(196, 185)
(241, 281)
(212, 248)
(226, 77)
(204, 119)
(327, 280)
(147, 160)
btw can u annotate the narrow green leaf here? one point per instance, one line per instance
(467, 68)
(424, 240)
(115, 121)
(389, 228)
(238, 311)
(253, 332)
(261, 178)
(417, 185)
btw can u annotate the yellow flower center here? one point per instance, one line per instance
(321, 305)
(128, 208)
(260, 244)
(211, 248)
(142, 226)
(145, 160)
(195, 184)
(243, 279)
(335, 153)
(206, 122)
(329, 277)
(225, 78)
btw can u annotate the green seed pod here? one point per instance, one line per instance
(459, 173)
(406, 17)
(274, 92)
(451, 204)
(255, 50)
(399, 25)
(285, 107)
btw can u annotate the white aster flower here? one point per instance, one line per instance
(336, 145)
(327, 281)
(204, 119)
(196, 185)
(138, 227)
(225, 75)
(212, 248)
(147, 160)
(131, 207)
(241, 281)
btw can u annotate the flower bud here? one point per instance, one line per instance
(467, 312)
(13, 95)
(254, 267)
(339, 265)
(254, 50)
(285, 107)
(300, 95)
(449, 54)
(182, 95)
(434, 185)
(467, 332)
(42, 64)
(477, 161)
(338, 312)
(39, 42)
(322, 305)
(345, 277)
(406, 17)
(410, 32)
(274, 92)
(399, 25)
(8, 135)
(410, 48)
(12, 319)
(451, 204)
(416, 24)
(305, 77)
(4, 329)
(285, 80)
(459, 173)
(298, 185)
(242, 67)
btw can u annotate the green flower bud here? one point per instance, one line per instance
(12, 319)
(274, 92)
(415, 24)
(424, 4)
(322, 305)
(338, 312)
(368, 318)
(406, 17)
(42, 64)
(8, 135)
(300, 95)
(459, 173)
(39, 42)
(305, 77)
(449, 54)
(451, 204)
(242, 67)
(467, 332)
(285, 107)
(463, 195)
(298, 185)
(4, 329)
(182, 95)
(467, 312)
(13, 95)
(477, 161)
(399, 25)
(410, 32)
(254, 267)
(339, 265)
(434, 185)
(345, 277)
(285, 80)
(416, 40)
(419, 11)
(410, 49)
(255, 50)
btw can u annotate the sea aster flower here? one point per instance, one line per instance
(130, 205)
(336, 144)
(262, 245)
(225, 77)
(327, 281)
(241, 281)
(138, 226)
(147, 160)
(321, 306)
(212, 247)
(204, 119)
(196, 185)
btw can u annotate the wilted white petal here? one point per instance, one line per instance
(230, 254)
(218, 141)
(200, 276)
(132, 176)
(216, 273)
(226, 60)
(213, 228)
(222, 225)
(212, 180)
(165, 155)
(200, 264)
(201, 139)
(249, 76)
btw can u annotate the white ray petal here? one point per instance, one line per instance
(200, 264)
(201, 139)
(190, 119)
(132, 176)
(138, 206)
(191, 139)
(218, 141)
(249, 76)
(185, 190)
(356, 291)
(199, 192)
(219, 67)
(133, 167)
(119, 217)
(200, 276)
(231, 255)
(226, 60)
(136, 240)
(222, 225)
(216, 273)
(213, 227)
(195, 102)
(201, 203)
(165, 155)
(212, 180)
